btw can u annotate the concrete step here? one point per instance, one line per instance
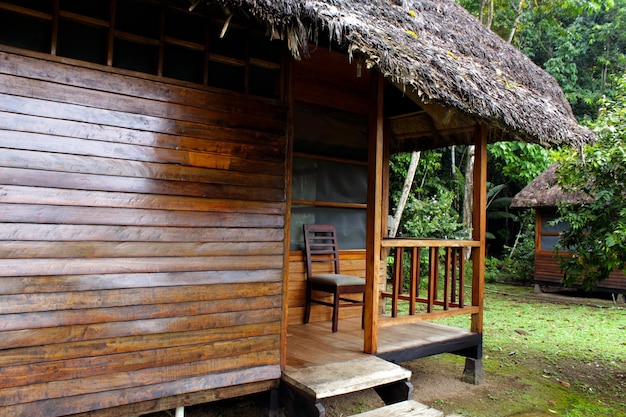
(407, 408)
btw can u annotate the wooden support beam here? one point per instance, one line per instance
(287, 231)
(375, 191)
(473, 372)
(480, 225)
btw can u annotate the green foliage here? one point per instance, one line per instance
(512, 165)
(510, 270)
(596, 237)
(430, 210)
(582, 43)
(516, 263)
(434, 216)
(519, 162)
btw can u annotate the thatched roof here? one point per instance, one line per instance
(439, 55)
(544, 191)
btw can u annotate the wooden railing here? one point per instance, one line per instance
(427, 280)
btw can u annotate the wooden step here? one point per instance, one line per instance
(407, 408)
(339, 378)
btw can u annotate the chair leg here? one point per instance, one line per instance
(336, 312)
(307, 304)
(363, 313)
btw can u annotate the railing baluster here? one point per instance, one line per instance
(446, 277)
(414, 284)
(397, 280)
(461, 278)
(455, 253)
(432, 278)
(439, 302)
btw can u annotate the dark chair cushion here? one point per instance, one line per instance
(339, 280)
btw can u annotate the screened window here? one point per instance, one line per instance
(162, 38)
(25, 31)
(329, 181)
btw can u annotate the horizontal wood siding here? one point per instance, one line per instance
(141, 240)
(352, 263)
(548, 271)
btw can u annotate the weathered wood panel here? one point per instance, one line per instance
(347, 88)
(173, 401)
(141, 238)
(352, 263)
(548, 271)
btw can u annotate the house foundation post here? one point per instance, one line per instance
(473, 372)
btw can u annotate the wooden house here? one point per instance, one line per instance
(544, 194)
(157, 161)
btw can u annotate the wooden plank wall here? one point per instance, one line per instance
(141, 240)
(548, 271)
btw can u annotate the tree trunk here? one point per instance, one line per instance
(518, 16)
(487, 8)
(406, 188)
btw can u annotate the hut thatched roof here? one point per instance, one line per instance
(544, 191)
(441, 56)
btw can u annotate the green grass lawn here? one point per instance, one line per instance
(569, 358)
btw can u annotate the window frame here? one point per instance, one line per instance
(207, 14)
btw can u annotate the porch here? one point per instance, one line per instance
(314, 344)
(322, 364)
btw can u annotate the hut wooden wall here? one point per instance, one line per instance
(548, 271)
(141, 240)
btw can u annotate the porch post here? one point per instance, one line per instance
(374, 214)
(288, 190)
(473, 372)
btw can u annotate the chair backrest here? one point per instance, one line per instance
(320, 245)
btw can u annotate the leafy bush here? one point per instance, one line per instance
(597, 223)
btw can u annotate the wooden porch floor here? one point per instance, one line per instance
(315, 344)
(323, 364)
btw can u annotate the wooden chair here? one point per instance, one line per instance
(320, 243)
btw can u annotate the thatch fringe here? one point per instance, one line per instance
(440, 52)
(544, 191)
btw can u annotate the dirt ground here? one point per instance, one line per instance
(432, 385)
(437, 383)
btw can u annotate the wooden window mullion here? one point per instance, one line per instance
(207, 41)
(54, 38)
(161, 44)
(111, 41)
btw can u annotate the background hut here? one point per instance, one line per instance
(155, 163)
(544, 194)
